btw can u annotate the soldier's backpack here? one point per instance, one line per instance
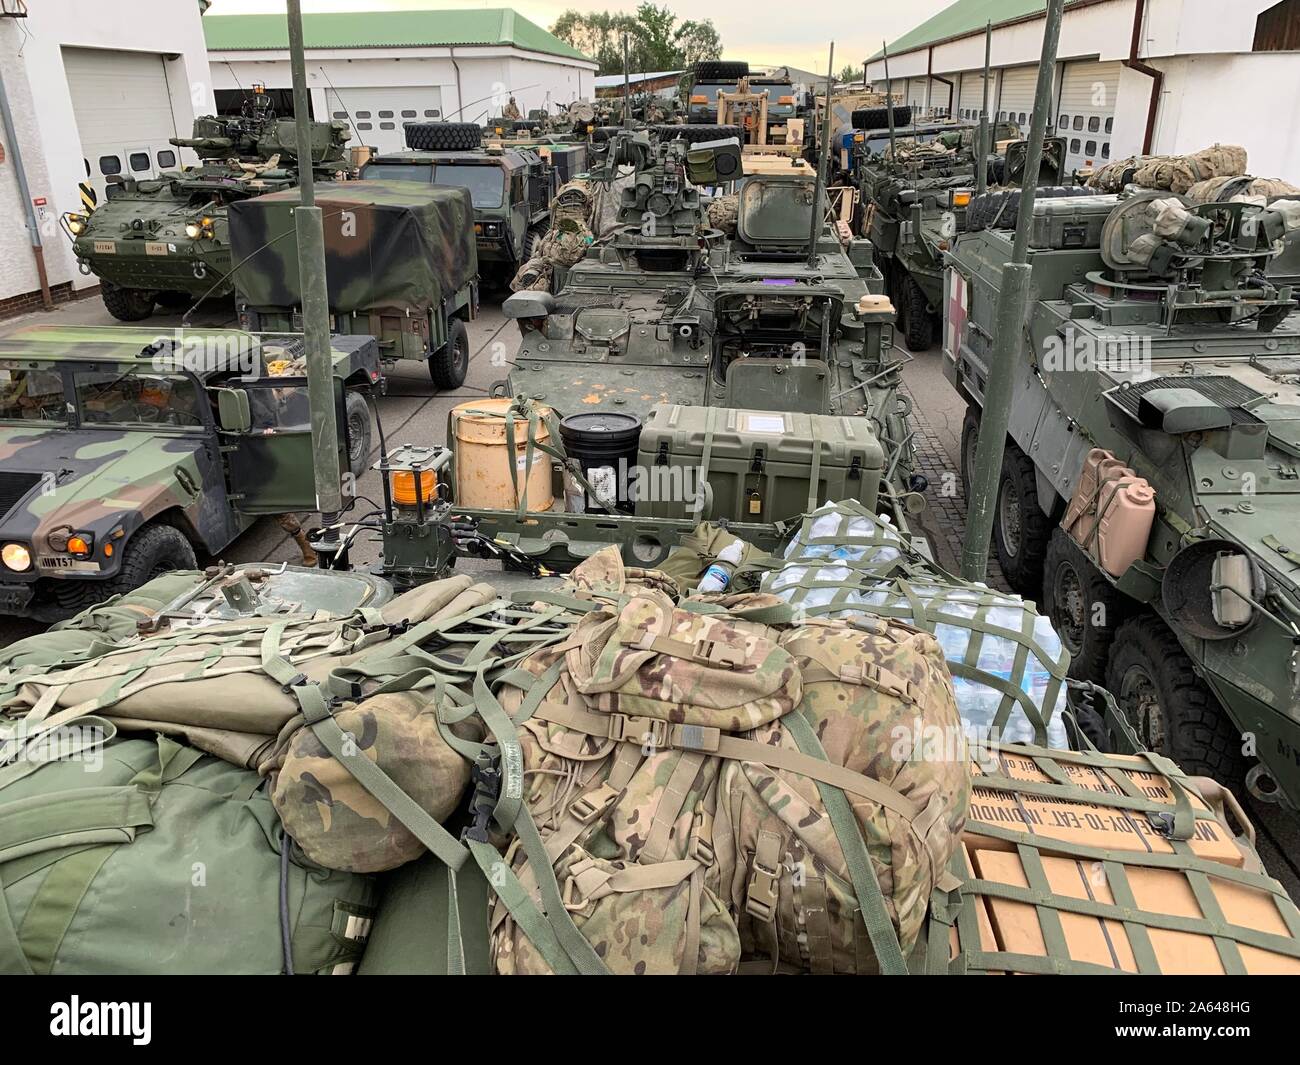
(697, 792)
(143, 856)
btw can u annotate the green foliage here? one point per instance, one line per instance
(850, 73)
(656, 40)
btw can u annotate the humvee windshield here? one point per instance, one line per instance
(486, 184)
(136, 398)
(28, 395)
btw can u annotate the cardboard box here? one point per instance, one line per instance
(1015, 927)
(1087, 823)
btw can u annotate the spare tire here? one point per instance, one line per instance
(693, 134)
(442, 136)
(1000, 210)
(719, 70)
(878, 117)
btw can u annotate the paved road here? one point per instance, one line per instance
(412, 413)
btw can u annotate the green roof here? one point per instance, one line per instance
(966, 17)
(385, 29)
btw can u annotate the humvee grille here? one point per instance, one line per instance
(13, 486)
(1227, 392)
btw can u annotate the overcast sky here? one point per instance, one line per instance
(761, 31)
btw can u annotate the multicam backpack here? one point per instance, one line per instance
(696, 789)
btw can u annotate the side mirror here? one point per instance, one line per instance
(233, 411)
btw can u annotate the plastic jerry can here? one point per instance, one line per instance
(1128, 509)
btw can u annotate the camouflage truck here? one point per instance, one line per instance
(510, 187)
(123, 452)
(166, 240)
(1156, 348)
(401, 265)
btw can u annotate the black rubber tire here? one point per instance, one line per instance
(1020, 528)
(357, 411)
(720, 70)
(174, 301)
(532, 238)
(918, 322)
(602, 133)
(153, 550)
(126, 304)
(449, 365)
(442, 136)
(878, 117)
(695, 134)
(999, 210)
(1188, 724)
(970, 431)
(1084, 607)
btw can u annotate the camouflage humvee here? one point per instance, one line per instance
(166, 240)
(401, 265)
(124, 452)
(510, 188)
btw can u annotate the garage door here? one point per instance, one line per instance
(124, 112)
(971, 97)
(1016, 101)
(378, 114)
(1087, 111)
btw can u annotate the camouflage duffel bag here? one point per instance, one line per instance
(89, 832)
(1178, 173)
(688, 801)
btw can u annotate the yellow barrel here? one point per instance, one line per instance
(478, 429)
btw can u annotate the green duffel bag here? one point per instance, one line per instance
(143, 856)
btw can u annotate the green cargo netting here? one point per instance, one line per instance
(388, 244)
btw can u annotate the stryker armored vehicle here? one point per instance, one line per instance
(166, 240)
(912, 196)
(708, 78)
(1150, 485)
(124, 451)
(510, 187)
(401, 265)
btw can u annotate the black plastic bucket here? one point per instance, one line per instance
(604, 438)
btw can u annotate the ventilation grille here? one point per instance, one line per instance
(1227, 392)
(13, 486)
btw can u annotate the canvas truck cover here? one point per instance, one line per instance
(388, 244)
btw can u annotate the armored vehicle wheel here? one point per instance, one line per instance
(918, 322)
(442, 136)
(449, 365)
(1172, 709)
(878, 117)
(695, 133)
(126, 304)
(151, 552)
(1083, 606)
(720, 70)
(358, 415)
(1020, 528)
(999, 210)
(970, 433)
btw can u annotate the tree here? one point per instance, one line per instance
(656, 41)
(850, 73)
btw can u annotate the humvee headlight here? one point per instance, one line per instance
(16, 557)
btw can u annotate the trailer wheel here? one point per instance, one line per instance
(126, 304)
(358, 418)
(720, 70)
(1083, 606)
(878, 117)
(1172, 709)
(152, 551)
(449, 364)
(1020, 528)
(918, 323)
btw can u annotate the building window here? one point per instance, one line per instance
(408, 114)
(1065, 122)
(139, 161)
(1105, 150)
(1094, 124)
(1278, 28)
(387, 125)
(340, 114)
(385, 114)
(166, 159)
(1110, 124)
(364, 114)
(434, 113)
(110, 165)
(1074, 146)
(1078, 121)
(364, 125)
(1090, 149)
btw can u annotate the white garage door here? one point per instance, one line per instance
(971, 97)
(1016, 102)
(916, 95)
(124, 112)
(1087, 111)
(377, 114)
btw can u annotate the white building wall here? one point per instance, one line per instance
(167, 27)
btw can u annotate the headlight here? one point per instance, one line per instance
(16, 557)
(193, 230)
(76, 224)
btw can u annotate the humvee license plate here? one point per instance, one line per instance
(106, 247)
(66, 564)
(155, 247)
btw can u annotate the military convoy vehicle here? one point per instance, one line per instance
(166, 239)
(510, 186)
(708, 78)
(1149, 480)
(401, 260)
(125, 452)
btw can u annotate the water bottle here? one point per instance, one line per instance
(718, 576)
